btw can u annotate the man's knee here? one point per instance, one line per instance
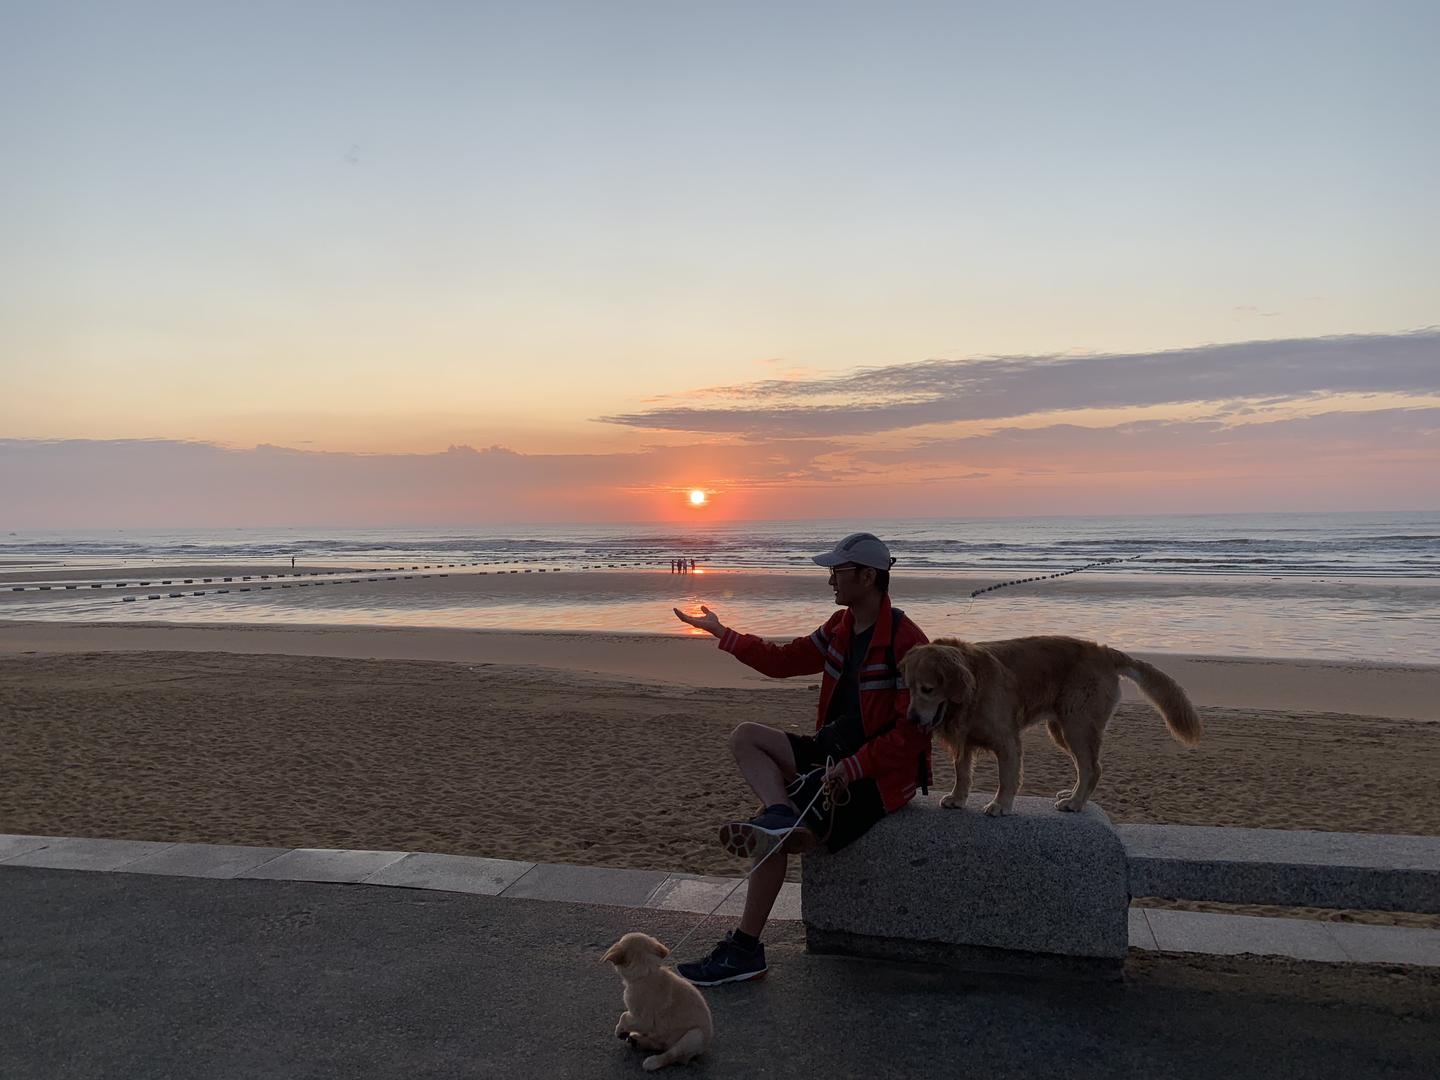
(749, 736)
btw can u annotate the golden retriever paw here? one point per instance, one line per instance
(994, 809)
(1069, 805)
(953, 802)
(1068, 793)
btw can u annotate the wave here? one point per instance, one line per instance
(1355, 545)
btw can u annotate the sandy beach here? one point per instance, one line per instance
(600, 749)
(1393, 691)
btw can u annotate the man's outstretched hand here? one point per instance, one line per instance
(709, 622)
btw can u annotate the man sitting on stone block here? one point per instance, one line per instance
(864, 743)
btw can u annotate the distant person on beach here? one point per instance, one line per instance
(292, 562)
(864, 743)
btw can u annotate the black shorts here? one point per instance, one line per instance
(839, 825)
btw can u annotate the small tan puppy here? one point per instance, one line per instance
(980, 695)
(662, 1011)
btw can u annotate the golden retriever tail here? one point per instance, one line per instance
(1166, 695)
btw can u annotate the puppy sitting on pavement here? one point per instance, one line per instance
(663, 1012)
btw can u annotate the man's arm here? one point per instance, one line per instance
(898, 750)
(803, 656)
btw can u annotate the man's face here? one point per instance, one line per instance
(850, 582)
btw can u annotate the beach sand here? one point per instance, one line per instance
(580, 756)
(1394, 691)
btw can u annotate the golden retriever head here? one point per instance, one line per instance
(635, 954)
(938, 679)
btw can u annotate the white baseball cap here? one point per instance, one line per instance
(862, 549)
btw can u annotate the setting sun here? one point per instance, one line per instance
(697, 497)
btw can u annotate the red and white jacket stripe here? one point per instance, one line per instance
(891, 757)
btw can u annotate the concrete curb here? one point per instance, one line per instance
(1150, 929)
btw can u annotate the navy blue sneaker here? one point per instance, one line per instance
(755, 838)
(727, 962)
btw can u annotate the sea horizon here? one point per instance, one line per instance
(1349, 586)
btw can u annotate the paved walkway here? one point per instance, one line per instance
(133, 975)
(1150, 929)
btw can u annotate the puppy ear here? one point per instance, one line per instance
(658, 948)
(613, 955)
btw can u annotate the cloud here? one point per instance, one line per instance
(138, 482)
(1351, 438)
(1382, 458)
(902, 396)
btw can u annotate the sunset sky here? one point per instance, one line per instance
(361, 263)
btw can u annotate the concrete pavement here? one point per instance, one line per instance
(138, 976)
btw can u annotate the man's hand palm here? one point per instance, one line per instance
(709, 622)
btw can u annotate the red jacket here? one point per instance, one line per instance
(896, 752)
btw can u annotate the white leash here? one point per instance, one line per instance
(778, 845)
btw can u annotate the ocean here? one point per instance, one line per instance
(1348, 586)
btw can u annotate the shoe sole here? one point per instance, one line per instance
(747, 841)
(732, 978)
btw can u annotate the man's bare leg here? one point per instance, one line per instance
(760, 895)
(766, 762)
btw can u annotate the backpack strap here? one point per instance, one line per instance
(895, 616)
(922, 766)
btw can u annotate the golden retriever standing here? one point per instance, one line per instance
(662, 1011)
(980, 695)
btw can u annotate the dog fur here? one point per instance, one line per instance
(662, 1011)
(981, 695)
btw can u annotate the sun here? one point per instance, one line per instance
(698, 498)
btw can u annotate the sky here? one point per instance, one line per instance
(439, 263)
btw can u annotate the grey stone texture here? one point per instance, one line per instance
(957, 886)
(451, 873)
(588, 885)
(204, 860)
(1288, 867)
(1387, 944)
(315, 864)
(18, 844)
(1234, 935)
(79, 854)
(1141, 936)
(686, 892)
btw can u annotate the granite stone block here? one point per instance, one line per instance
(1040, 882)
